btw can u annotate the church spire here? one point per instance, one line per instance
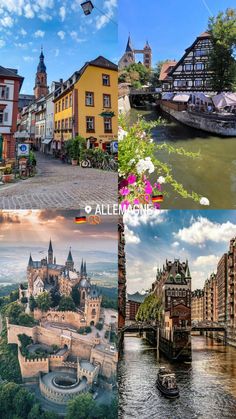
(41, 66)
(41, 88)
(50, 252)
(82, 267)
(70, 262)
(129, 45)
(30, 263)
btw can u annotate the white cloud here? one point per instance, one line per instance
(156, 217)
(39, 34)
(28, 58)
(202, 229)
(130, 237)
(208, 260)
(75, 37)
(27, 8)
(62, 13)
(21, 45)
(2, 43)
(23, 32)
(7, 21)
(108, 7)
(175, 244)
(61, 34)
(28, 11)
(45, 17)
(57, 52)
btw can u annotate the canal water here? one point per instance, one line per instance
(207, 385)
(212, 175)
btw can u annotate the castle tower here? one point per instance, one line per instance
(41, 88)
(147, 55)
(50, 252)
(82, 268)
(70, 262)
(128, 57)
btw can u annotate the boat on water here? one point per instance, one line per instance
(166, 383)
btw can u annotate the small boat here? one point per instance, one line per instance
(166, 383)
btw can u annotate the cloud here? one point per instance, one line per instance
(62, 13)
(130, 237)
(175, 244)
(45, 17)
(202, 229)
(57, 52)
(75, 37)
(23, 32)
(61, 34)
(29, 13)
(7, 21)
(208, 260)
(39, 34)
(108, 7)
(2, 43)
(28, 58)
(156, 217)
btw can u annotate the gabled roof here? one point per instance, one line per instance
(11, 73)
(165, 69)
(103, 62)
(201, 36)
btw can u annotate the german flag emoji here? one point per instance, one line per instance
(157, 198)
(80, 220)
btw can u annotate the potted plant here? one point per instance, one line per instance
(75, 151)
(7, 176)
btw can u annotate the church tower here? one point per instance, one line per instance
(50, 252)
(41, 88)
(147, 56)
(70, 262)
(128, 57)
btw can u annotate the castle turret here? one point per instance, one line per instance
(147, 55)
(70, 262)
(50, 252)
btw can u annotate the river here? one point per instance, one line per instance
(207, 385)
(212, 175)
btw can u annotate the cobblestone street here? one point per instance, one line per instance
(59, 185)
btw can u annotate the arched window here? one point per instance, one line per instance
(93, 312)
(83, 295)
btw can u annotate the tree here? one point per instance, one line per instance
(44, 301)
(55, 295)
(81, 407)
(66, 304)
(23, 403)
(221, 61)
(136, 74)
(32, 303)
(75, 294)
(25, 319)
(149, 309)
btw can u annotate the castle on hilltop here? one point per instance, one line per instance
(130, 52)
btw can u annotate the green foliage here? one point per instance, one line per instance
(25, 319)
(5, 290)
(66, 304)
(32, 303)
(75, 294)
(14, 295)
(44, 301)
(136, 74)
(25, 340)
(150, 309)
(81, 407)
(32, 158)
(24, 300)
(222, 62)
(99, 326)
(113, 337)
(84, 330)
(55, 295)
(135, 144)
(108, 302)
(75, 146)
(12, 311)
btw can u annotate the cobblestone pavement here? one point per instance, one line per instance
(59, 185)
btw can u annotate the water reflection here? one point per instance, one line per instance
(207, 385)
(214, 171)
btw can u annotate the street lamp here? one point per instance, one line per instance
(87, 7)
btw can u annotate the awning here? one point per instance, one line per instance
(224, 99)
(167, 96)
(47, 141)
(181, 98)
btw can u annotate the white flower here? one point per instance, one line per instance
(161, 180)
(131, 162)
(145, 164)
(151, 140)
(204, 201)
(121, 134)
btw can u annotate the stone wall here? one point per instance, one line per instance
(32, 367)
(73, 318)
(14, 330)
(90, 375)
(107, 361)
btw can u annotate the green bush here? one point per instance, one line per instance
(99, 326)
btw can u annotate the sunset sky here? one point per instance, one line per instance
(23, 231)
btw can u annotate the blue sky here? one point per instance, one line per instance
(25, 231)
(170, 26)
(69, 38)
(199, 236)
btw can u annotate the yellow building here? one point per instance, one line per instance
(86, 105)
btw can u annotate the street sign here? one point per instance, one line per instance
(23, 150)
(114, 147)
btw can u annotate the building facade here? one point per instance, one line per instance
(211, 299)
(231, 288)
(130, 52)
(197, 306)
(10, 86)
(86, 105)
(191, 73)
(221, 278)
(133, 302)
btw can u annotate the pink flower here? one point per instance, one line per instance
(147, 198)
(157, 206)
(136, 201)
(125, 204)
(124, 191)
(131, 179)
(159, 187)
(123, 183)
(148, 188)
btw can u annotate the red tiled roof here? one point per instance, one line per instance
(165, 69)
(204, 35)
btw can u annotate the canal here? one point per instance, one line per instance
(207, 385)
(212, 175)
